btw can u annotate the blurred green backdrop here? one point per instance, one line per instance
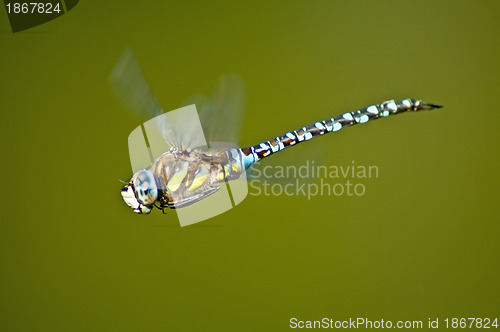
(422, 242)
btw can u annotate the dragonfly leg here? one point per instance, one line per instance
(162, 207)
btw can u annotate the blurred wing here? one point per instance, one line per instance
(221, 114)
(190, 126)
(131, 87)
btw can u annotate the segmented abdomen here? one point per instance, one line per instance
(257, 152)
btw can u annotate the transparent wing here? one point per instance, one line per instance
(130, 85)
(221, 114)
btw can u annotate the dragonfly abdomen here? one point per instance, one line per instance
(257, 152)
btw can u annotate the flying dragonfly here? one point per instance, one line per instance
(188, 172)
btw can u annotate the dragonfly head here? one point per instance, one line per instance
(141, 192)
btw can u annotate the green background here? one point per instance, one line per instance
(422, 242)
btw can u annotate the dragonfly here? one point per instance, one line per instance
(186, 174)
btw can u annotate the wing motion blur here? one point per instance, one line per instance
(130, 85)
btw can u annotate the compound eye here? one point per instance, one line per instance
(146, 191)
